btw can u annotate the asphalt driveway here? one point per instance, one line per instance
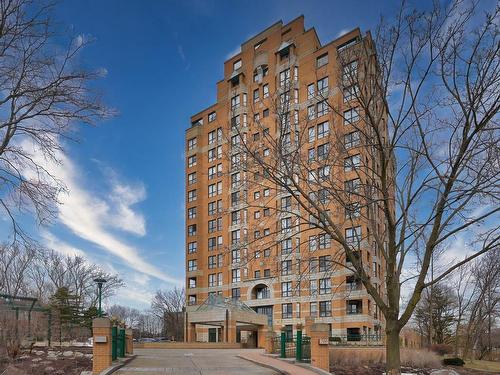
(191, 362)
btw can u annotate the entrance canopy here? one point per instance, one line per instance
(217, 309)
(231, 315)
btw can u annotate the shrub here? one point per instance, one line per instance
(453, 361)
(441, 349)
(342, 356)
(419, 358)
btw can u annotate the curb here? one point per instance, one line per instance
(281, 372)
(118, 366)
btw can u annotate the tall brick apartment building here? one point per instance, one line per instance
(238, 245)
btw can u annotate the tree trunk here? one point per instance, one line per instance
(393, 360)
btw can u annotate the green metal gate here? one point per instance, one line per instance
(298, 347)
(121, 343)
(114, 342)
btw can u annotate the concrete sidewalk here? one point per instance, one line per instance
(285, 368)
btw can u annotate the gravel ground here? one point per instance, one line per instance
(54, 361)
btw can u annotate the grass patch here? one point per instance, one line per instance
(489, 366)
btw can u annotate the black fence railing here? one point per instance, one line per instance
(357, 339)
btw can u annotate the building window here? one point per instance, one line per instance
(265, 113)
(235, 102)
(350, 72)
(192, 246)
(323, 150)
(286, 246)
(192, 161)
(211, 155)
(352, 163)
(211, 226)
(351, 140)
(286, 289)
(313, 243)
(286, 267)
(352, 186)
(192, 230)
(351, 116)
(267, 253)
(191, 212)
(322, 108)
(313, 309)
(325, 308)
(353, 210)
(235, 218)
(192, 265)
(211, 280)
(325, 286)
(212, 243)
(286, 225)
(236, 275)
(310, 112)
(322, 60)
(286, 311)
(323, 87)
(313, 287)
(212, 116)
(212, 262)
(192, 300)
(353, 236)
(256, 95)
(237, 64)
(219, 279)
(285, 77)
(351, 93)
(192, 282)
(265, 91)
(235, 293)
(324, 241)
(354, 307)
(310, 91)
(212, 137)
(235, 256)
(267, 273)
(220, 260)
(323, 129)
(235, 121)
(325, 263)
(191, 143)
(235, 237)
(192, 178)
(256, 274)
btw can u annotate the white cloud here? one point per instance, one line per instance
(62, 247)
(90, 217)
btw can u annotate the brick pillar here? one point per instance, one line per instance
(230, 328)
(319, 333)
(309, 321)
(101, 328)
(262, 338)
(129, 337)
(191, 332)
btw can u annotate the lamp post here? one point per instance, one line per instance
(99, 282)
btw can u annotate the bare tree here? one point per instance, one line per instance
(412, 162)
(44, 91)
(168, 305)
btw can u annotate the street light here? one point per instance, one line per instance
(99, 282)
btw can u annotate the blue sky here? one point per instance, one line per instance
(126, 175)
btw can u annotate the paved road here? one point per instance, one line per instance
(191, 362)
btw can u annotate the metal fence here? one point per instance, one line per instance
(357, 340)
(297, 346)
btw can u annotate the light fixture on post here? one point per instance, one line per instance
(100, 282)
